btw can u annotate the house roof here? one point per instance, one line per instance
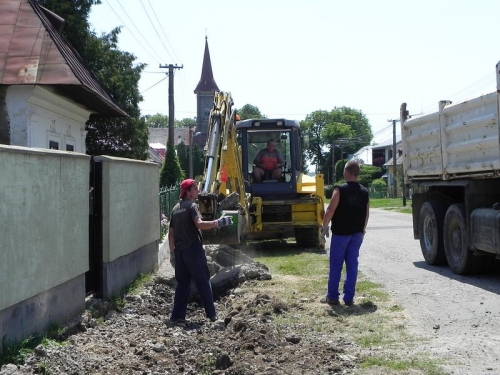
(207, 82)
(34, 52)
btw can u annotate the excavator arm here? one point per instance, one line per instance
(222, 191)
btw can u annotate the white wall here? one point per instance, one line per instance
(44, 215)
(38, 116)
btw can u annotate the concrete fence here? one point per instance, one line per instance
(44, 233)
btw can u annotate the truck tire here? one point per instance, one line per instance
(307, 237)
(460, 259)
(430, 232)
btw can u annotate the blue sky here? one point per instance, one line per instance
(291, 58)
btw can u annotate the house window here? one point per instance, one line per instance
(53, 145)
(70, 148)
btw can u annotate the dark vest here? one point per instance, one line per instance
(350, 215)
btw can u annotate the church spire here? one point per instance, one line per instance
(207, 82)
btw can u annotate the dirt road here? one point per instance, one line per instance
(460, 315)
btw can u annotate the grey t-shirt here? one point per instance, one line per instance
(181, 219)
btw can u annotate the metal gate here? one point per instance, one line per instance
(93, 277)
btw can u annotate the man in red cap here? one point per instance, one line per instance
(186, 251)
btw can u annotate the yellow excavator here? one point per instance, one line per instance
(291, 206)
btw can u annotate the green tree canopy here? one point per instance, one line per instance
(117, 70)
(186, 123)
(331, 133)
(249, 111)
(156, 121)
(171, 172)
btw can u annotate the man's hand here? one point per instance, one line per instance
(325, 232)
(172, 258)
(223, 221)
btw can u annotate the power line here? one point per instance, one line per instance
(156, 31)
(155, 84)
(165, 35)
(145, 39)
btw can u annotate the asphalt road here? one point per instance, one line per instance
(459, 314)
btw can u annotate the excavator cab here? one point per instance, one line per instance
(253, 136)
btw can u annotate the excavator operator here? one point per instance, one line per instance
(268, 163)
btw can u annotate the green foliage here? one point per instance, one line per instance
(198, 159)
(379, 183)
(339, 169)
(132, 288)
(156, 121)
(186, 123)
(118, 71)
(328, 191)
(16, 352)
(127, 138)
(368, 173)
(345, 128)
(171, 172)
(249, 111)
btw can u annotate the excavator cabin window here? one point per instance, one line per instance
(268, 156)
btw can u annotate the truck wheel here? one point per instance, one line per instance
(307, 237)
(460, 259)
(430, 232)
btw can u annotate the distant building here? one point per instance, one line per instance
(47, 94)
(204, 91)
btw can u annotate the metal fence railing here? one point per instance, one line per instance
(169, 196)
(377, 191)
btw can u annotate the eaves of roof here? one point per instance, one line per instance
(34, 52)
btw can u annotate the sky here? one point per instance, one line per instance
(290, 58)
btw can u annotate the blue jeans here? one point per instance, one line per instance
(191, 264)
(344, 249)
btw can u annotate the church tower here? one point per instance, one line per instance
(204, 91)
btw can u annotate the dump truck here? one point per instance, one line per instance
(452, 168)
(290, 206)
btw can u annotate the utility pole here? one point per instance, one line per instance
(190, 152)
(394, 155)
(171, 111)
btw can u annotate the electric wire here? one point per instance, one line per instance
(163, 31)
(154, 27)
(152, 49)
(126, 28)
(161, 80)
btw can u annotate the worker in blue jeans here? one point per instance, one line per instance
(348, 213)
(187, 254)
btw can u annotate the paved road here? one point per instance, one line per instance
(465, 308)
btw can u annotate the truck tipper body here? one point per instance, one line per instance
(452, 167)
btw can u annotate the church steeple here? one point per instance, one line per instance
(204, 97)
(207, 82)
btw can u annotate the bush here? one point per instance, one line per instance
(379, 183)
(328, 191)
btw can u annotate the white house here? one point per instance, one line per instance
(46, 92)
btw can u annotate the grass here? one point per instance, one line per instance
(375, 324)
(16, 352)
(393, 204)
(133, 288)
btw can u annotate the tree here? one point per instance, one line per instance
(117, 70)
(171, 172)
(156, 121)
(249, 111)
(198, 159)
(331, 135)
(185, 123)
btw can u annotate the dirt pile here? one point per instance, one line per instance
(139, 340)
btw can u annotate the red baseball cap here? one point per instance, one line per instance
(185, 185)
